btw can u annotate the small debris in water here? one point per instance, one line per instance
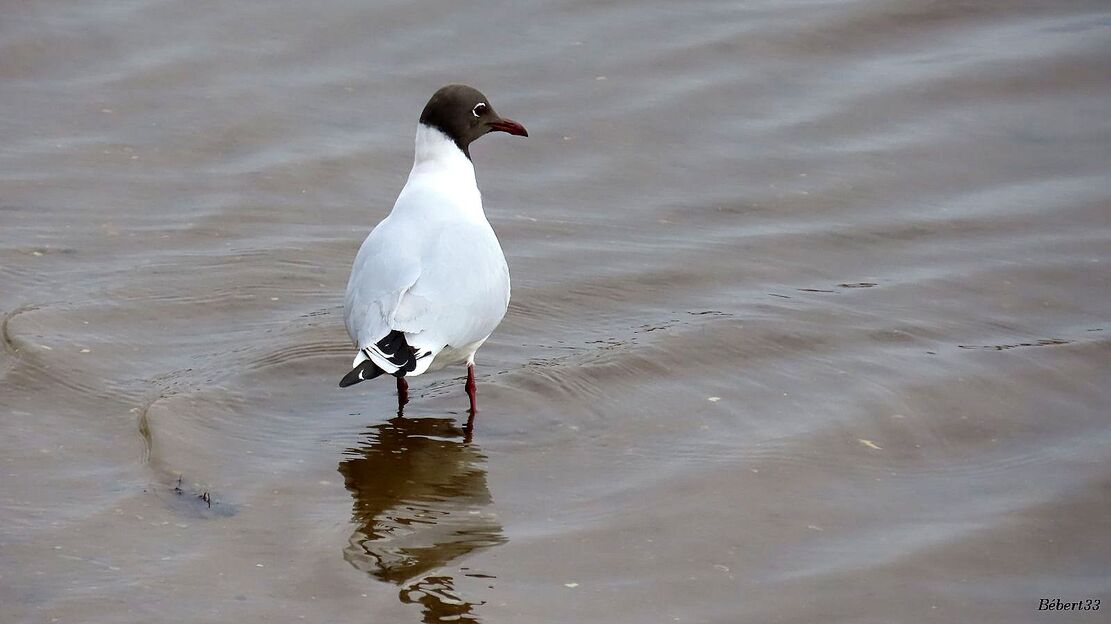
(870, 444)
(86, 351)
(1049, 342)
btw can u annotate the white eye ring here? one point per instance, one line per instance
(478, 109)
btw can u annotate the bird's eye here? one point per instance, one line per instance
(479, 109)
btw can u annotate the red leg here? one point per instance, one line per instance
(468, 431)
(471, 389)
(402, 392)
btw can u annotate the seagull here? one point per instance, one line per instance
(430, 282)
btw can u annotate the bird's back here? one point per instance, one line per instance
(433, 268)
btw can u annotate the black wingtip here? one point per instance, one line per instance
(398, 352)
(362, 372)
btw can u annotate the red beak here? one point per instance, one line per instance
(510, 126)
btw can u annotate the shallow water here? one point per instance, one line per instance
(810, 319)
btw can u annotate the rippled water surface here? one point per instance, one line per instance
(810, 320)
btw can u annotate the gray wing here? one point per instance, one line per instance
(384, 269)
(419, 287)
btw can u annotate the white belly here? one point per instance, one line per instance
(455, 355)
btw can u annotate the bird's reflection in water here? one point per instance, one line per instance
(421, 501)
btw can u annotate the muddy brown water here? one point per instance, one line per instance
(810, 319)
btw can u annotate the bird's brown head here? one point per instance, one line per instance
(464, 114)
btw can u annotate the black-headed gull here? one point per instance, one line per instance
(430, 282)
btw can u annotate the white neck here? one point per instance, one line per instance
(442, 178)
(435, 152)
